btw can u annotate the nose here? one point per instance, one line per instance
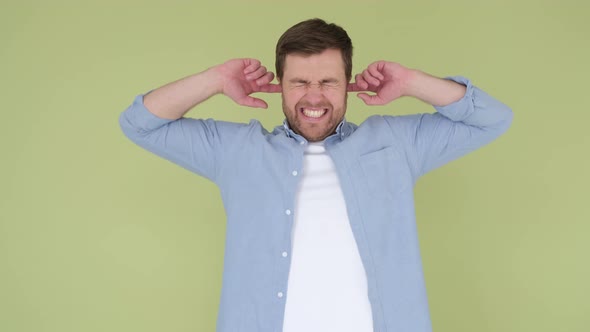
(314, 93)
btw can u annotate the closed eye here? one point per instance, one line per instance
(330, 84)
(298, 83)
(327, 83)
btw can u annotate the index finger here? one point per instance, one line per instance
(353, 87)
(270, 88)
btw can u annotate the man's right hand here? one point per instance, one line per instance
(241, 77)
(236, 79)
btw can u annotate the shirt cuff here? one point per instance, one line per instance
(141, 118)
(462, 108)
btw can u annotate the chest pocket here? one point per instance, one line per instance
(385, 172)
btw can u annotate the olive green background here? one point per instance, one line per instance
(99, 235)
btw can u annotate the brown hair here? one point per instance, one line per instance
(313, 37)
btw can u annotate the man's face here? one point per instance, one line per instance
(314, 93)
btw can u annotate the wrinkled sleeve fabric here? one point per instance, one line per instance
(191, 143)
(454, 130)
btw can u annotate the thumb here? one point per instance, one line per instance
(370, 99)
(252, 102)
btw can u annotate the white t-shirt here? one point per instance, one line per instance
(327, 288)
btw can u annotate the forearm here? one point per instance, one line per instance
(433, 90)
(175, 99)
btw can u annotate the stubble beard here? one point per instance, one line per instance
(311, 135)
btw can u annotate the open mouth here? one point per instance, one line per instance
(314, 113)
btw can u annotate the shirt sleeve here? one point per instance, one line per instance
(191, 143)
(453, 130)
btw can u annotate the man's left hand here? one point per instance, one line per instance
(388, 80)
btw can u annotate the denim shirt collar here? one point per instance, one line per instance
(343, 130)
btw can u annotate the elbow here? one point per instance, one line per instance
(496, 125)
(497, 119)
(125, 125)
(507, 119)
(130, 128)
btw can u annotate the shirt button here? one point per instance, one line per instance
(301, 143)
(285, 254)
(294, 173)
(287, 212)
(280, 294)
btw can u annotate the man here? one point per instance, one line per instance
(321, 232)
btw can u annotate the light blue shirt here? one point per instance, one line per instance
(378, 164)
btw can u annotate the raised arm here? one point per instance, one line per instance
(236, 79)
(156, 121)
(390, 80)
(466, 118)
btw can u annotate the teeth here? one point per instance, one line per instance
(313, 113)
